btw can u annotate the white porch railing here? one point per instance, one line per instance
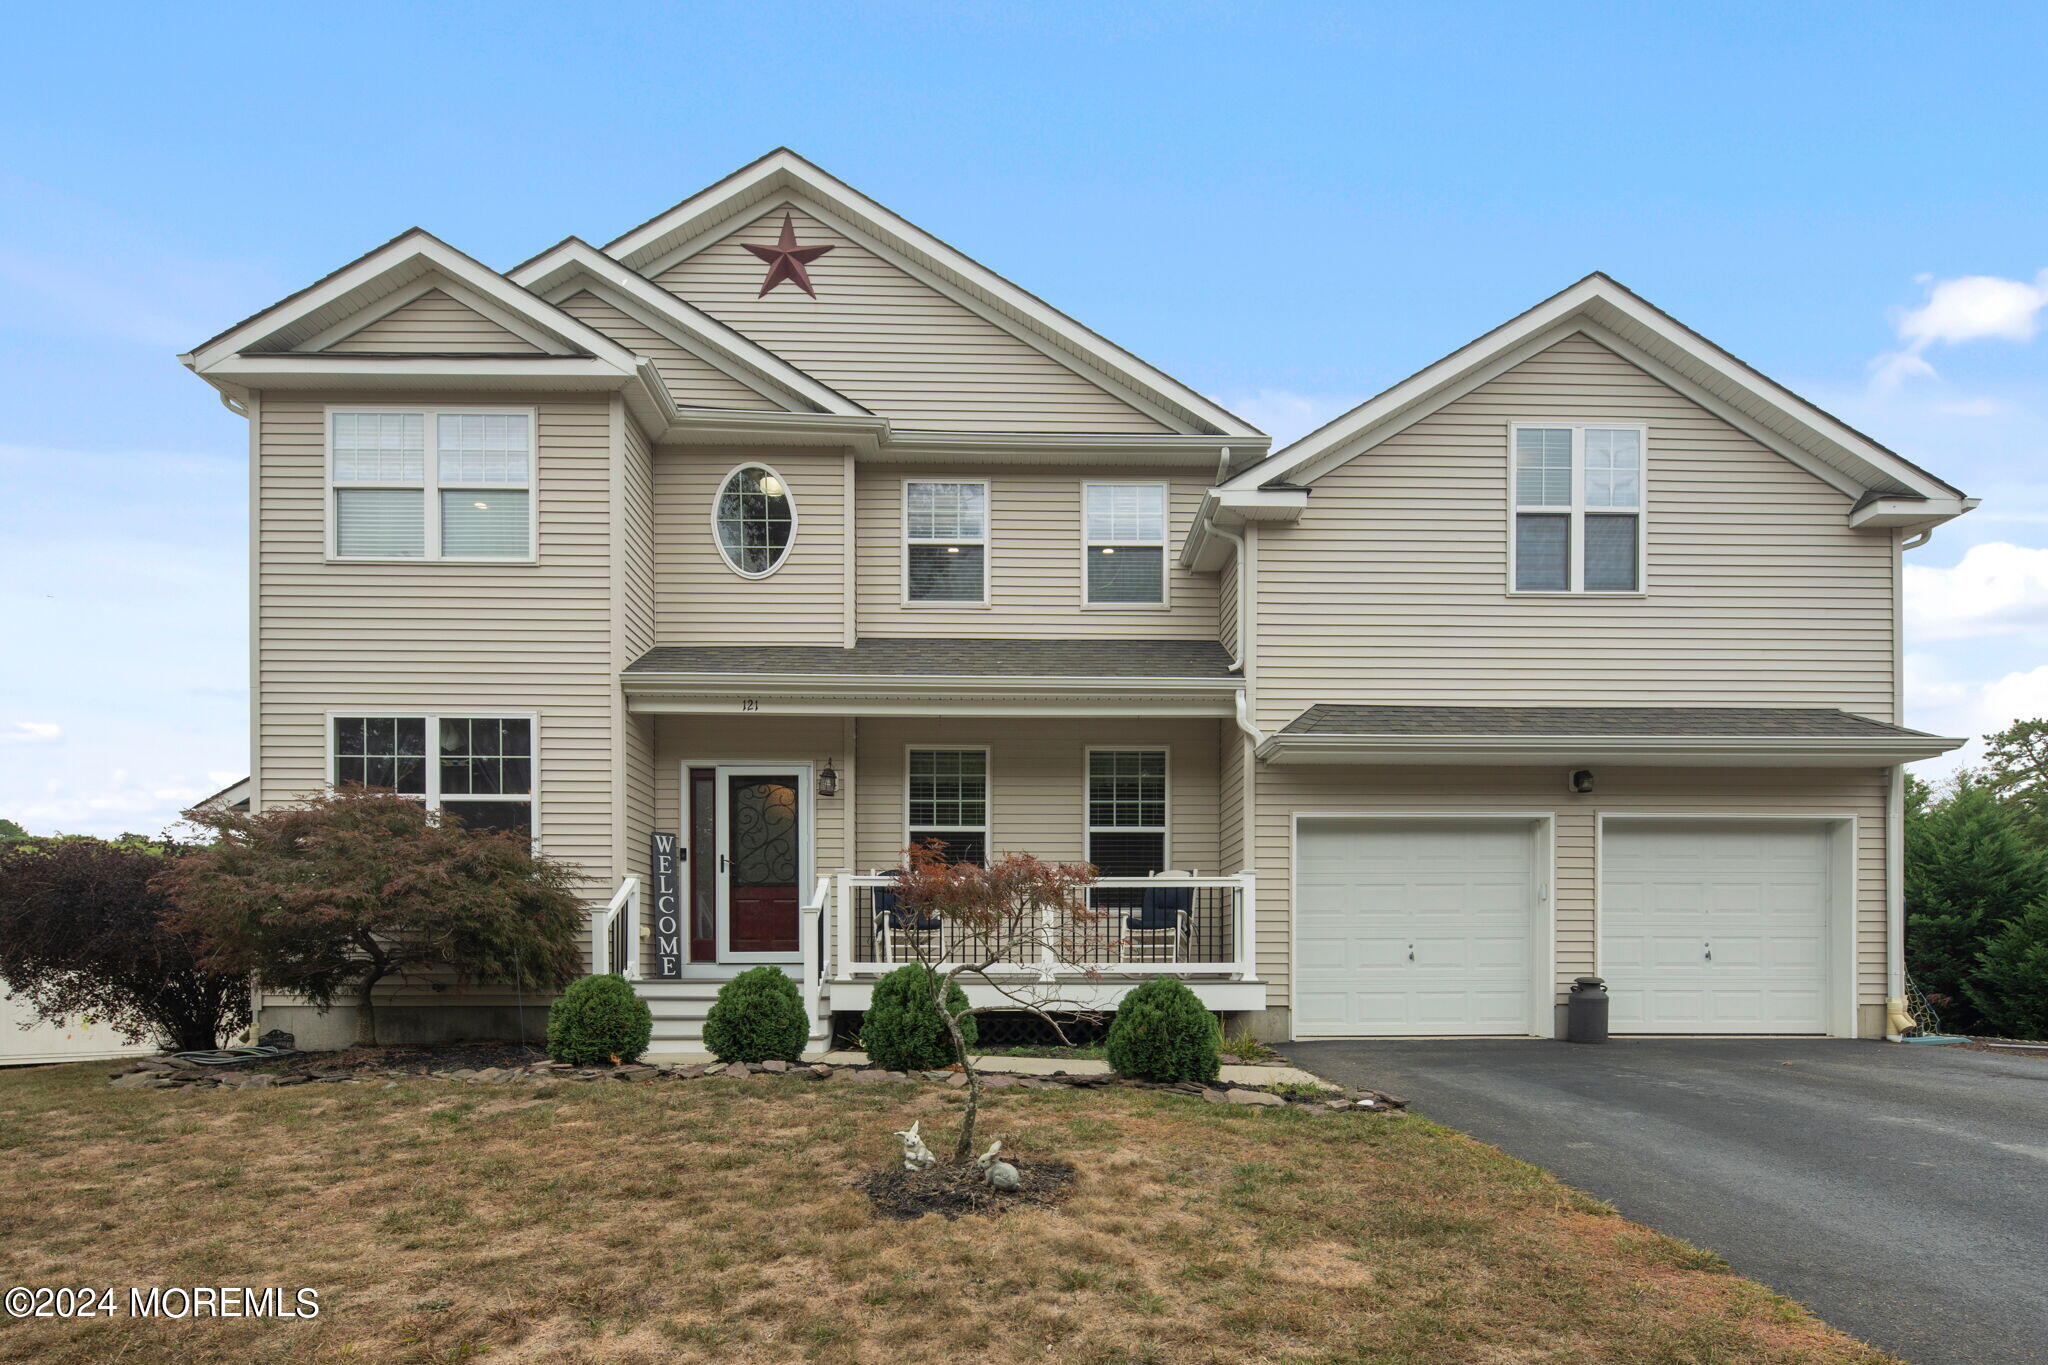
(1145, 926)
(811, 933)
(615, 933)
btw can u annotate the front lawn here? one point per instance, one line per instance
(714, 1220)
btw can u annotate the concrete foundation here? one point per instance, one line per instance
(318, 1030)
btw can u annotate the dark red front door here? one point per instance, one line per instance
(763, 861)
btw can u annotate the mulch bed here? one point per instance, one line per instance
(951, 1191)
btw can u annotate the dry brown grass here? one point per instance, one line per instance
(713, 1221)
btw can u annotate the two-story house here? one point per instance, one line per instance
(729, 558)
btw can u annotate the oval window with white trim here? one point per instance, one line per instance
(754, 520)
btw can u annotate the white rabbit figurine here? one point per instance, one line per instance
(916, 1156)
(1000, 1175)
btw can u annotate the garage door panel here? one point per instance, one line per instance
(1715, 926)
(1414, 927)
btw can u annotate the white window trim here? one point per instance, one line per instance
(1088, 826)
(1577, 509)
(1165, 602)
(988, 795)
(988, 516)
(433, 721)
(431, 485)
(789, 496)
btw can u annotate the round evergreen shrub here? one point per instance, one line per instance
(1163, 1032)
(597, 1021)
(757, 1017)
(902, 1030)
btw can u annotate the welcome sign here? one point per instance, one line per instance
(668, 913)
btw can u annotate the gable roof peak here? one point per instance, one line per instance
(1610, 313)
(782, 176)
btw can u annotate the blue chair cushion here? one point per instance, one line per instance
(1163, 908)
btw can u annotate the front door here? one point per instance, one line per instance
(761, 847)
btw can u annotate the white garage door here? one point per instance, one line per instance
(1715, 926)
(1418, 926)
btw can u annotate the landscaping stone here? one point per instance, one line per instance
(1258, 1097)
(871, 1075)
(738, 1069)
(821, 1071)
(775, 1066)
(957, 1078)
(140, 1080)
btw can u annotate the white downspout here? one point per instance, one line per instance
(1898, 1015)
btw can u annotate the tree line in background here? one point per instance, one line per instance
(1977, 889)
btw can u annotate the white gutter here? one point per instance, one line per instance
(1637, 750)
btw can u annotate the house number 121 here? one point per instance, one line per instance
(749, 704)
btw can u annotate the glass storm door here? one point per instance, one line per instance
(760, 864)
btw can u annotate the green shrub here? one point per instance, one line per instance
(758, 1017)
(2010, 987)
(1162, 1032)
(902, 1030)
(599, 1020)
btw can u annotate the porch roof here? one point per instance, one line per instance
(1677, 735)
(1115, 675)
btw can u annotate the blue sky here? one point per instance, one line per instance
(1288, 207)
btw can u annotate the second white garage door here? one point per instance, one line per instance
(1414, 926)
(1715, 926)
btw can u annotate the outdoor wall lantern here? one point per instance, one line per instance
(828, 780)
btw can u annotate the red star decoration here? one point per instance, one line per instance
(786, 260)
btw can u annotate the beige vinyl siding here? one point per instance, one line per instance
(700, 600)
(444, 637)
(1284, 792)
(892, 343)
(634, 632)
(1034, 558)
(692, 381)
(1393, 585)
(1232, 779)
(435, 322)
(1037, 768)
(1226, 604)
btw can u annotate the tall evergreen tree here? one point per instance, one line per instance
(2010, 985)
(1969, 869)
(2016, 769)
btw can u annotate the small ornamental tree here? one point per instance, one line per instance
(1016, 912)
(334, 895)
(597, 1020)
(1162, 1032)
(759, 1016)
(86, 929)
(902, 1030)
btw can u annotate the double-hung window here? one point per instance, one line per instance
(1127, 811)
(1125, 526)
(429, 484)
(477, 769)
(948, 801)
(945, 534)
(1578, 508)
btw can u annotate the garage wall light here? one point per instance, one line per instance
(1579, 781)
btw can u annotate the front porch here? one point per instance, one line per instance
(850, 935)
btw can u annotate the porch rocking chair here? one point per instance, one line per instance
(900, 932)
(1158, 930)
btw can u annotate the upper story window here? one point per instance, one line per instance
(1125, 526)
(424, 484)
(945, 542)
(755, 520)
(1578, 509)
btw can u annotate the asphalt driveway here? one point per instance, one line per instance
(1900, 1191)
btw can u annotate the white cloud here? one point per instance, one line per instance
(1995, 589)
(1968, 308)
(1283, 414)
(29, 732)
(1936, 702)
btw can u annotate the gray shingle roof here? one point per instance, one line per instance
(1580, 722)
(969, 658)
